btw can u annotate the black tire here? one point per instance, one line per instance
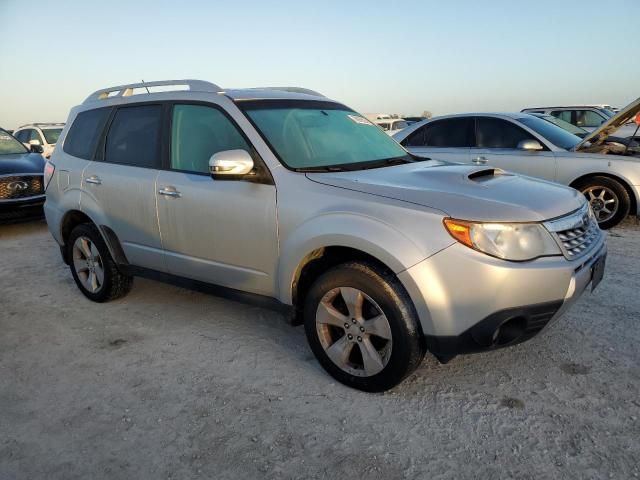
(115, 284)
(621, 194)
(407, 347)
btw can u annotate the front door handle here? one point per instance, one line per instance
(480, 160)
(170, 192)
(93, 179)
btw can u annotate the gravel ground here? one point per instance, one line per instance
(170, 383)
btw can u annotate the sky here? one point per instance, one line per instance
(389, 57)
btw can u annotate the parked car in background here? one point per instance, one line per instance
(381, 254)
(527, 144)
(392, 125)
(21, 179)
(587, 117)
(44, 134)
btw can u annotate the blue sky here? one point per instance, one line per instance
(397, 57)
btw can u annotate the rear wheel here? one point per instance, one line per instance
(362, 327)
(92, 267)
(608, 198)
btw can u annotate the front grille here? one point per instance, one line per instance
(22, 186)
(576, 241)
(576, 233)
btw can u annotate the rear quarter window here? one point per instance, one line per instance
(84, 133)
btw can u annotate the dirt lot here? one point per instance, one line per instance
(170, 383)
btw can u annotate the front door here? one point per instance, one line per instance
(497, 145)
(217, 231)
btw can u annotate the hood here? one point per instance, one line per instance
(21, 163)
(600, 135)
(462, 191)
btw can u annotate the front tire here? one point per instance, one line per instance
(608, 198)
(92, 267)
(362, 327)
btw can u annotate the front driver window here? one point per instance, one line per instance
(498, 133)
(453, 133)
(197, 132)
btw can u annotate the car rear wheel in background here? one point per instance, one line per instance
(608, 198)
(362, 327)
(92, 267)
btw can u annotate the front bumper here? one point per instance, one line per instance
(469, 302)
(22, 208)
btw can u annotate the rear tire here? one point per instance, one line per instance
(92, 267)
(362, 327)
(608, 198)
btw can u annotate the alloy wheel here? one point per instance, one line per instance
(353, 331)
(88, 264)
(603, 201)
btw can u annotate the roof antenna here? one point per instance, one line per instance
(145, 86)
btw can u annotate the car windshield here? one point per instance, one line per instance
(399, 125)
(52, 135)
(317, 136)
(9, 145)
(569, 127)
(556, 135)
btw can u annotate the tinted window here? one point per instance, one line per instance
(497, 133)
(84, 133)
(554, 133)
(22, 136)
(134, 137)
(452, 132)
(588, 118)
(35, 135)
(197, 133)
(563, 115)
(52, 135)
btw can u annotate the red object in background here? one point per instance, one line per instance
(637, 119)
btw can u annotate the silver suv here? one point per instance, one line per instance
(285, 194)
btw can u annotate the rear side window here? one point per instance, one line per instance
(563, 115)
(134, 136)
(498, 133)
(452, 133)
(197, 132)
(85, 132)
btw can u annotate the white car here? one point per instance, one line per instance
(43, 134)
(392, 125)
(606, 172)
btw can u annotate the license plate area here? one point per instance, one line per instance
(597, 271)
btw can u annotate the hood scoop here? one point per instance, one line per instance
(486, 174)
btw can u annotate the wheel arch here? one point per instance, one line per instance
(73, 218)
(622, 181)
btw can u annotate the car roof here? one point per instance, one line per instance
(273, 93)
(558, 107)
(42, 125)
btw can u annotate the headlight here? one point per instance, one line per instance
(510, 241)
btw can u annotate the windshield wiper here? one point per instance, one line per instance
(320, 169)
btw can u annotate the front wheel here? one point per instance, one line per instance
(362, 327)
(608, 198)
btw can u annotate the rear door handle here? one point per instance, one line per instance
(480, 160)
(93, 179)
(170, 192)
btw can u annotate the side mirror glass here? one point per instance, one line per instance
(530, 145)
(35, 148)
(34, 142)
(231, 165)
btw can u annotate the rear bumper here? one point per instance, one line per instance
(469, 302)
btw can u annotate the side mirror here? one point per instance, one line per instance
(231, 165)
(35, 148)
(530, 145)
(34, 142)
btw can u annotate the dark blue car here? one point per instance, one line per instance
(21, 179)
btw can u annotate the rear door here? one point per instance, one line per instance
(119, 187)
(217, 231)
(448, 139)
(496, 144)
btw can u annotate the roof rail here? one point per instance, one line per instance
(127, 90)
(42, 124)
(306, 91)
